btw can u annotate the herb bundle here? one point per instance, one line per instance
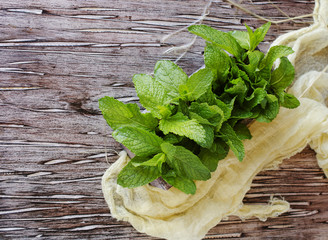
(192, 122)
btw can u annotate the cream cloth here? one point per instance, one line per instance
(174, 215)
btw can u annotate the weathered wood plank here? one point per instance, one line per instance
(58, 58)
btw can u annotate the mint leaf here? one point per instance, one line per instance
(170, 76)
(237, 88)
(249, 40)
(270, 109)
(261, 82)
(243, 75)
(288, 100)
(211, 157)
(256, 98)
(181, 125)
(274, 53)
(183, 184)
(209, 136)
(157, 160)
(254, 58)
(185, 163)
(198, 83)
(242, 38)
(183, 107)
(221, 39)
(282, 76)
(236, 72)
(226, 108)
(233, 141)
(131, 176)
(141, 142)
(183, 91)
(118, 114)
(172, 138)
(208, 97)
(217, 60)
(259, 34)
(251, 37)
(205, 114)
(152, 94)
(240, 113)
(198, 118)
(242, 131)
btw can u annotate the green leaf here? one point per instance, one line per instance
(131, 176)
(237, 88)
(218, 60)
(208, 97)
(238, 72)
(141, 142)
(209, 136)
(259, 34)
(211, 157)
(198, 118)
(221, 39)
(170, 76)
(152, 94)
(240, 113)
(255, 58)
(274, 53)
(118, 114)
(185, 163)
(250, 71)
(249, 40)
(255, 112)
(183, 184)
(243, 75)
(172, 138)
(226, 108)
(234, 71)
(183, 91)
(261, 82)
(282, 76)
(256, 98)
(157, 160)
(164, 111)
(233, 141)
(242, 38)
(270, 110)
(205, 114)
(288, 100)
(242, 131)
(198, 84)
(252, 38)
(181, 125)
(183, 107)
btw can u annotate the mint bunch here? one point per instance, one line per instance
(192, 122)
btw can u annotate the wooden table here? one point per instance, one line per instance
(59, 57)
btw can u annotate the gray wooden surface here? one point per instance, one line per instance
(57, 58)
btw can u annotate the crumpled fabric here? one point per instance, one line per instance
(175, 215)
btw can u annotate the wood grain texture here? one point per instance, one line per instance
(59, 57)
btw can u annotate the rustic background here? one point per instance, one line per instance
(59, 57)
